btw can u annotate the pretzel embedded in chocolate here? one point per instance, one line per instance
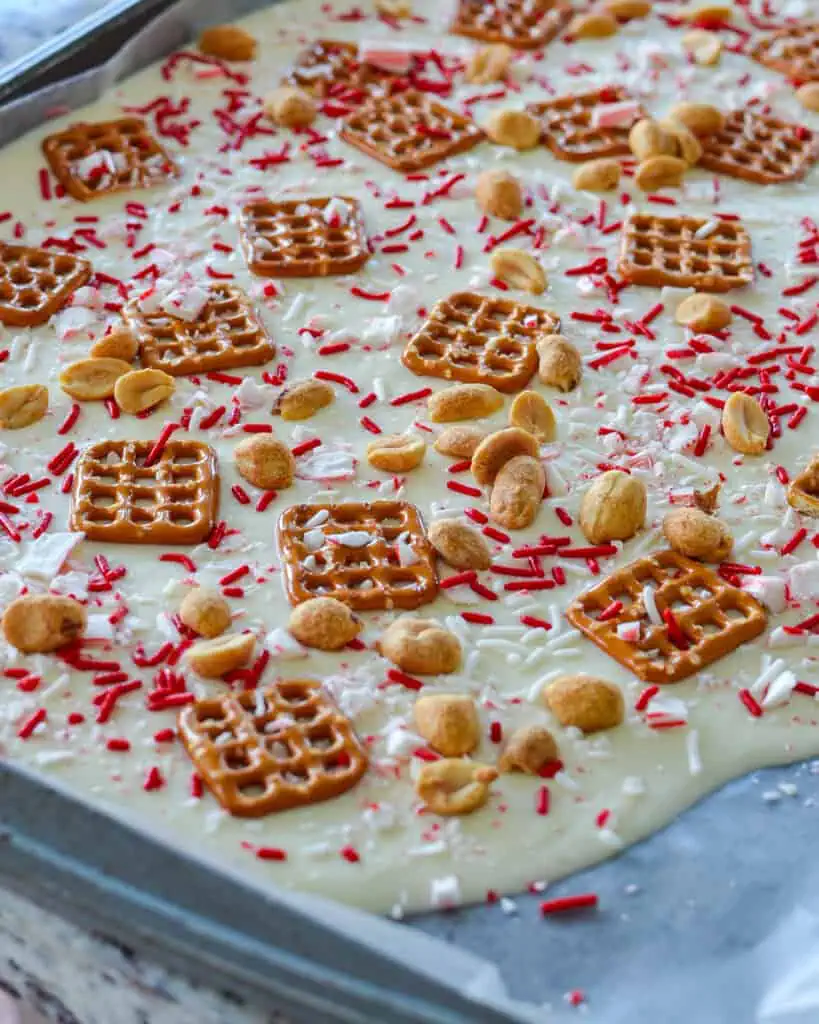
(521, 24)
(760, 148)
(792, 49)
(702, 618)
(37, 283)
(282, 746)
(570, 127)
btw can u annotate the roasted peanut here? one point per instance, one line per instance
(705, 48)
(265, 462)
(688, 146)
(519, 269)
(324, 623)
(695, 534)
(303, 399)
(463, 402)
(708, 12)
(703, 313)
(90, 380)
(396, 453)
(601, 175)
(803, 491)
(459, 441)
(648, 139)
(745, 424)
(660, 172)
(699, 118)
(584, 702)
(528, 750)
(212, 659)
(452, 786)
(517, 493)
(808, 96)
(205, 611)
(394, 8)
(488, 64)
(499, 194)
(626, 10)
(515, 128)
(448, 722)
(40, 623)
(420, 646)
(559, 364)
(142, 389)
(498, 448)
(613, 507)
(22, 406)
(593, 25)
(460, 546)
(290, 107)
(531, 412)
(227, 42)
(119, 344)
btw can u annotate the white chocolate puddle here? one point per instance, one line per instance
(617, 787)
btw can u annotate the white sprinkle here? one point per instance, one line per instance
(651, 606)
(316, 520)
(692, 747)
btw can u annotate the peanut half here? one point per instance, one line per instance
(745, 424)
(704, 47)
(531, 412)
(703, 313)
(290, 107)
(488, 64)
(464, 402)
(227, 42)
(499, 194)
(528, 750)
(459, 545)
(600, 175)
(212, 659)
(626, 10)
(265, 462)
(695, 534)
(584, 702)
(23, 405)
(396, 453)
(324, 623)
(303, 399)
(613, 507)
(448, 722)
(647, 139)
(808, 96)
(515, 128)
(519, 269)
(517, 493)
(559, 364)
(452, 786)
(459, 441)
(420, 646)
(593, 25)
(40, 623)
(660, 172)
(498, 448)
(699, 118)
(139, 390)
(687, 146)
(119, 344)
(90, 380)
(205, 611)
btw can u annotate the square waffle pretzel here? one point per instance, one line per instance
(793, 50)
(409, 131)
(329, 67)
(569, 131)
(267, 750)
(365, 577)
(292, 238)
(803, 491)
(226, 334)
(134, 159)
(522, 24)
(760, 149)
(660, 251)
(714, 616)
(479, 340)
(36, 283)
(117, 497)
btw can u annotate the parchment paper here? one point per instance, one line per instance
(715, 920)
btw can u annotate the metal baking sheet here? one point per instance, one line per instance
(714, 919)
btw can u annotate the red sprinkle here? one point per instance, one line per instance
(564, 903)
(542, 800)
(31, 723)
(750, 703)
(349, 853)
